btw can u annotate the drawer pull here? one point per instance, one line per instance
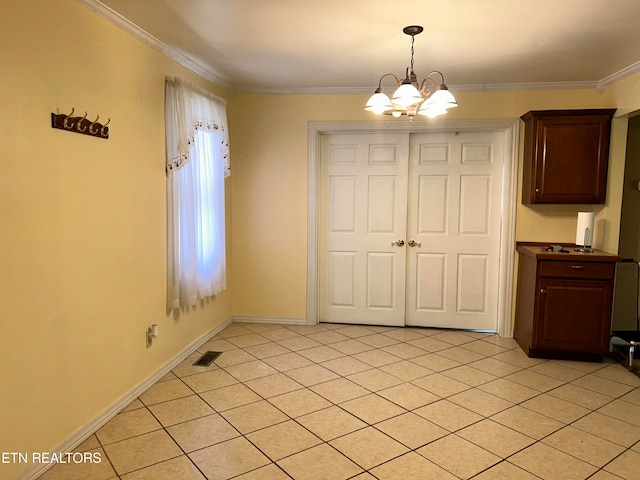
(542, 290)
(577, 267)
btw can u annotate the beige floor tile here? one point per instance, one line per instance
(101, 470)
(127, 425)
(234, 330)
(496, 438)
(484, 348)
(586, 367)
(454, 338)
(273, 385)
(374, 379)
(133, 406)
(625, 411)
(372, 408)
(230, 397)
(242, 341)
(518, 358)
(283, 439)
(441, 385)
(254, 416)
(202, 432)
(509, 343)
(556, 408)
(408, 396)
(480, 402)
(228, 459)
(580, 396)
(618, 373)
(331, 423)
(364, 476)
(321, 462)
(609, 428)
(179, 468)
(328, 337)
(602, 385)
(586, 447)
(405, 334)
(602, 475)
(511, 391)
(320, 354)
(277, 334)
(209, 380)
(551, 464)
(141, 451)
(378, 340)
(376, 358)
(406, 370)
(411, 430)
(557, 371)
(339, 390)
(448, 415)
(287, 361)
(250, 370)
(312, 375)
(527, 422)
(429, 344)
(165, 391)
(266, 350)
(404, 351)
(542, 383)
(180, 410)
(368, 447)
(90, 443)
(626, 465)
(216, 344)
(346, 366)
(632, 397)
(435, 362)
(298, 343)
(269, 472)
(187, 367)
(470, 376)
(351, 347)
(458, 456)
(461, 355)
(354, 331)
(494, 367)
(505, 471)
(261, 327)
(300, 402)
(411, 466)
(231, 357)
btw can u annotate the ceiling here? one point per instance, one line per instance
(344, 46)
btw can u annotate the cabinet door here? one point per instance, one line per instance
(573, 315)
(566, 156)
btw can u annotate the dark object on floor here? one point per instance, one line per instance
(207, 359)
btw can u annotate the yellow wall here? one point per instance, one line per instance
(270, 183)
(82, 222)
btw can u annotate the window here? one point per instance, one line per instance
(197, 164)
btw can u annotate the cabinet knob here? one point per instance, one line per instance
(542, 290)
(538, 190)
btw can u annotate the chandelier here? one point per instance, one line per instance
(427, 98)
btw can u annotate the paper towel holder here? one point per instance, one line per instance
(584, 232)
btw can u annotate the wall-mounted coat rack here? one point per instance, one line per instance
(80, 124)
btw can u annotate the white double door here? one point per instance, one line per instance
(409, 229)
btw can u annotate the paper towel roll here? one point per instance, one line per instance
(584, 230)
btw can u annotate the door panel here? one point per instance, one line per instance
(454, 218)
(363, 193)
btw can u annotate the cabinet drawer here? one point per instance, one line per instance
(568, 269)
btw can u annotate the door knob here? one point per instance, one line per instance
(413, 243)
(398, 243)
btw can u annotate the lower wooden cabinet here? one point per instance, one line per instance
(563, 303)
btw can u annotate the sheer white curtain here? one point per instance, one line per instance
(197, 164)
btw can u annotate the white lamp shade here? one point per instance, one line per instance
(442, 98)
(378, 103)
(431, 111)
(406, 95)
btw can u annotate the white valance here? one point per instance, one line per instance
(188, 109)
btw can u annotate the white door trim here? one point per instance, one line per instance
(509, 198)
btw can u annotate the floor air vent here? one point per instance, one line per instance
(207, 359)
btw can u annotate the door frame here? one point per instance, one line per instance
(510, 127)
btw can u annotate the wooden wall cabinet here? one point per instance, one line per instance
(563, 303)
(566, 155)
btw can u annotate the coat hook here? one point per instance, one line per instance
(92, 124)
(103, 130)
(79, 124)
(65, 124)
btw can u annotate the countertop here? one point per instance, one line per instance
(536, 250)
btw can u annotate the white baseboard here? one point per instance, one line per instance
(274, 320)
(35, 470)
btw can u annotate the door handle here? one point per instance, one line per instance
(398, 243)
(413, 243)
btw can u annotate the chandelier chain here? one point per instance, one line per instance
(413, 37)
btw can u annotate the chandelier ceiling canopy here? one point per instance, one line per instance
(410, 98)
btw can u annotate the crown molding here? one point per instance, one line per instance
(216, 77)
(123, 23)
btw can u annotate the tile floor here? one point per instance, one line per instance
(359, 402)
